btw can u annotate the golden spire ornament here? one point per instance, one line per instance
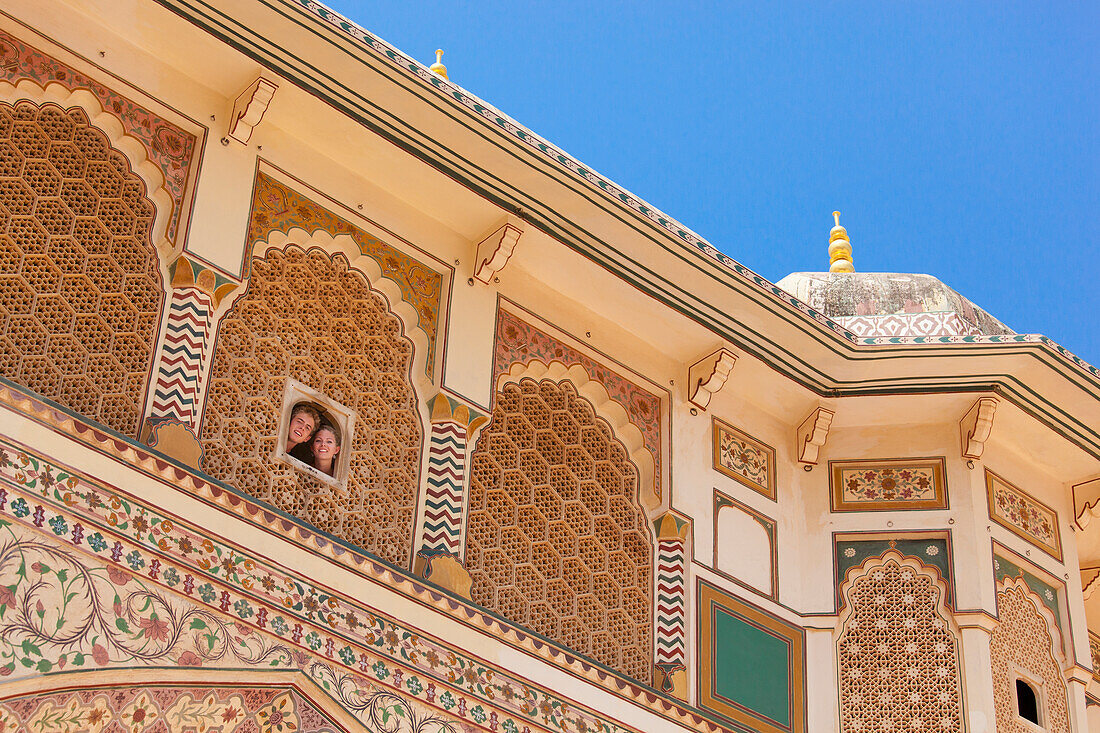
(438, 66)
(840, 248)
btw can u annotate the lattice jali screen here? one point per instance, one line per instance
(80, 296)
(556, 539)
(1022, 642)
(307, 316)
(898, 657)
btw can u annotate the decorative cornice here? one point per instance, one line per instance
(822, 341)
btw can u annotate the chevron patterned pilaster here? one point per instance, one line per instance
(670, 629)
(441, 537)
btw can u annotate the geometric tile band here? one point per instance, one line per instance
(671, 605)
(181, 360)
(166, 145)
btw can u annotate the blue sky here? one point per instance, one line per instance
(957, 139)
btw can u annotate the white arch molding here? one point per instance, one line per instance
(134, 150)
(607, 408)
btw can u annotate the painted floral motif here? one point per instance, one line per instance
(279, 716)
(902, 484)
(139, 714)
(276, 207)
(518, 342)
(188, 710)
(1094, 649)
(1025, 516)
(169, 147)
(279, 620)
(744, 458)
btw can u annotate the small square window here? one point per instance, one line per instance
(315, 434)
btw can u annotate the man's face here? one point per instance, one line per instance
(301, 427)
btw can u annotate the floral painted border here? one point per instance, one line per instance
(167, 145)
(277, 207)
(888, 484)
(519, 342)
(271, 709)
(225, 499)
(744, 458)
(1023, 515)
(143, 543)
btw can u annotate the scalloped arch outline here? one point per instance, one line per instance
(607, 408)
(106, 122)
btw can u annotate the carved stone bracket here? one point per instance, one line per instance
(495, 248)
(249, 109)
(1086, 502)
(975, 427)
(812, 434)
(708, 375)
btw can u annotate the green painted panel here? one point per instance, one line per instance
(852, 553)
(1005, 568)
(751, 667)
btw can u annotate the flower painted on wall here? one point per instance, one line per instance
(279, 716)
(139, 714)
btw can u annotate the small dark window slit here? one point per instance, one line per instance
(1027, 703)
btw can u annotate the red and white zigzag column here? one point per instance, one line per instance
(670, 630)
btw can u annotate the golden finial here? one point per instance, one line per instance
(438, 66)
(840, 248)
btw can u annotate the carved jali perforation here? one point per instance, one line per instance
(307, 316)
(557, 541)
(80, 296)
(898, 657)
(1022, 643)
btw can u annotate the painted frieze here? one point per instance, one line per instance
(744, 458)
(1023, 515)
(185, 577)
(171, 708)
(885, 485)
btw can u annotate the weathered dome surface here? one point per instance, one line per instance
(892, 304)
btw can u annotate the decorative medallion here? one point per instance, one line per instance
(1023, 515)
(744, 458)
(887, 485)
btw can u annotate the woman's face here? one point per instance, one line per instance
(325, 445)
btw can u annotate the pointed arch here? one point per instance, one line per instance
(897, 649)
(135, 151)
(1026, 644)
(81, 287)
(557, 538)
(312, 313)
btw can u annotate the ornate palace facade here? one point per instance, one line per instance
(585, 472)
